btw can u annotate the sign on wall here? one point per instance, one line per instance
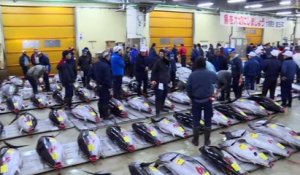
(29, 44)
(244, 20)
(135, 23)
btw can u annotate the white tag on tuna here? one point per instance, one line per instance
(161, 86)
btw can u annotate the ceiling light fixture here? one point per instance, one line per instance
(206, 4)
(253, 6)
(285, 2)
(284, 13)
(298, 15)
(235, 1)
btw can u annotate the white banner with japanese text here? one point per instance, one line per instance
(244, 20)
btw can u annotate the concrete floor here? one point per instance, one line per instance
(118, 165)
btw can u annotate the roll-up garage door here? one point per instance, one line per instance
(254, 35)
(169, 28)
(50, 29)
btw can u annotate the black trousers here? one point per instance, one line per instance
(183, 60)
(117, 86)
(225, 93)
(103, 103)
(173, 78)
(237, 89)
(33, 84)
(286, 91)
(69, 92)
(25, 69)
(269, 85)
(86, 78)
(160, 98)
(142, 79)
(46, 81)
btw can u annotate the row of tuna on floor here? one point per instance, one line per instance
(50, 149)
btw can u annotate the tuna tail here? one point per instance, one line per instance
(230, 136)
(97, 173)
(16, 117)
(13, 146)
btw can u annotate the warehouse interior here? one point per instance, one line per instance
(45, 131)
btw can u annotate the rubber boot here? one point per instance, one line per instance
(207, 136)
(67, 105)
(106, 113)
(195, 140)
(283, 104)
(290, 101)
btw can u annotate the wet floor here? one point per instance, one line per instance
(118, 165)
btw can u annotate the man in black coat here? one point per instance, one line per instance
(84, 62)
(101, 73)
(141, 71)
(160, 78)
(67, 75)
(24, 62)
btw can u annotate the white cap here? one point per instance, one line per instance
(260, 48)
(105, 53)
(275, 53)
(287, 48)
(258, 51)
(143, 49)
(117, 49)
(288, 53)
(252, 54)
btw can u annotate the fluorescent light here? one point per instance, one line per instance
(284, 13)
(285, 2)
(235, 1)
(207, 4)
(253, 6)
(298, 15)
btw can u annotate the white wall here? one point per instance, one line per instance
(274, 35)
(1, 43)
(100, 25)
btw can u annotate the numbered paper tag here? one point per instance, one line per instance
(255, 135)
(16, 104)
(243, 146)
(29, 123)
(181, 129)
(93, 113)
(4, 169)
(263, 156)
(166, 121)
(298, 137)
(280, 146)
(180, 161)
(121, 108)
(161, 86)
(91, 147)
(273, 126)
(154, 169)
(153, 133)
(55, 156)
(40, 100)
(10, 151)
(236, 167)
(207, 173)
(202, 122)
(243, 113)
(127, 139)
(60, 119)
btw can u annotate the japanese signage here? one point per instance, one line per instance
(244, 20)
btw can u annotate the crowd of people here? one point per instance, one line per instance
(230, 73)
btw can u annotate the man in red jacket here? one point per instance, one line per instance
(183, 52)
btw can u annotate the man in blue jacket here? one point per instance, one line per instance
(141, 71)
(251, 71)
(67, 75)
(44, 60)
(200, 89)
(288, 72)
(101, 73)
(118, 68)
(133, 57)
(237, 73)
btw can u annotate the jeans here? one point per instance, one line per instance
(46, 81)
(269, 85)
(183, 60)
(286, 90)
(250, 82)
(237, 89)
(143, 79)
(33, 83)
(117, 86)
(160, 98)
(197, 113)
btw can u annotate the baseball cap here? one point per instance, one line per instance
(117, 48)
(105, 53)
(252, 54)
(143, 49)
(275, 53)
(258, 51)
(288, 53)
(231, 50)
